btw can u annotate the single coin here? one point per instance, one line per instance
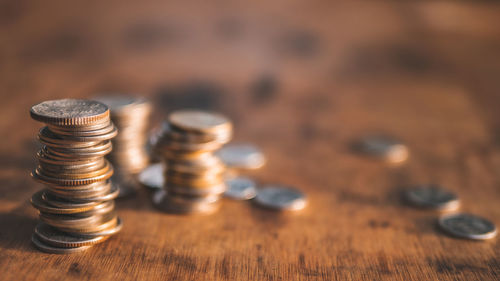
(45, 179)
(433, 197)
(55, 250)
(200, 121)
(241, 156)
(39, 203)
(384, 147)
(280, 198)
(51, 236)
(69, 112)
(113, 229)
(152, 176)
(240, 188)
(468, 226)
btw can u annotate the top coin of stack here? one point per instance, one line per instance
(194, 175)
(76, 208)
(129, 155)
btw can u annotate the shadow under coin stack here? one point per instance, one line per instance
(129, 156)
(194, 176)
(76, 207)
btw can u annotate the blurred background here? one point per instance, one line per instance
(316, 72)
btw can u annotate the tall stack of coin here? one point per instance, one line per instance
(129, 156)
(194, 176)
(76, 207)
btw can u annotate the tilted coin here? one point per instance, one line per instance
(111, 230)
(432, 197)
(241, 156)
(240, 188)
(51, 236)
(280, 198)
(468, 226)
(55, 250)
(152, 176)
(69, 112)
(384, 147)
(39, 203)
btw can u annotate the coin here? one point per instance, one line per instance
(69, 112)
(432, 197)
(242, 156)
(55, 250)
(280, 198)
(113, 229)
(468, 226)
(39, 203)
(383, 147)
(152, 176)
(55, 238)
(199, 121)
(240, 188)
(184, 205)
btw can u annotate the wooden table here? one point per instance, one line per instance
(301, 80)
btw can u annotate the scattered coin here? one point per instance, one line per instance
(152, 176)
(468, 226)
(433, 197)
(383, 147)
(242, 156)
(280, 198)
(240, 188)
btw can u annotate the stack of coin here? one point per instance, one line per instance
(76, 207)
(129, 156)
(194, 176)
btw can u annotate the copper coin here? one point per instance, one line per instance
(51, 236)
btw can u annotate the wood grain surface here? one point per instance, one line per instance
(300, 79)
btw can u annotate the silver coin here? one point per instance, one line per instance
(152, 176)
(281, 198)
(240, 188)
(69, 111)
(468, 226)
(433, 197)
(384, 147)
(242, 156)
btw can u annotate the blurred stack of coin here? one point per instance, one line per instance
(76, 207)
(129, 156)
(194, 176)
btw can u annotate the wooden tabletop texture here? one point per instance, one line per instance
(301, 80)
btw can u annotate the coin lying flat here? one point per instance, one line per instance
(433, 197)
(468, 226)
(240, 188)
(55, 250)
(152, 176)
(194, 120)
(55, 238)
(281, 198)
(383, 147)
(69, 112)
(241, 156)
